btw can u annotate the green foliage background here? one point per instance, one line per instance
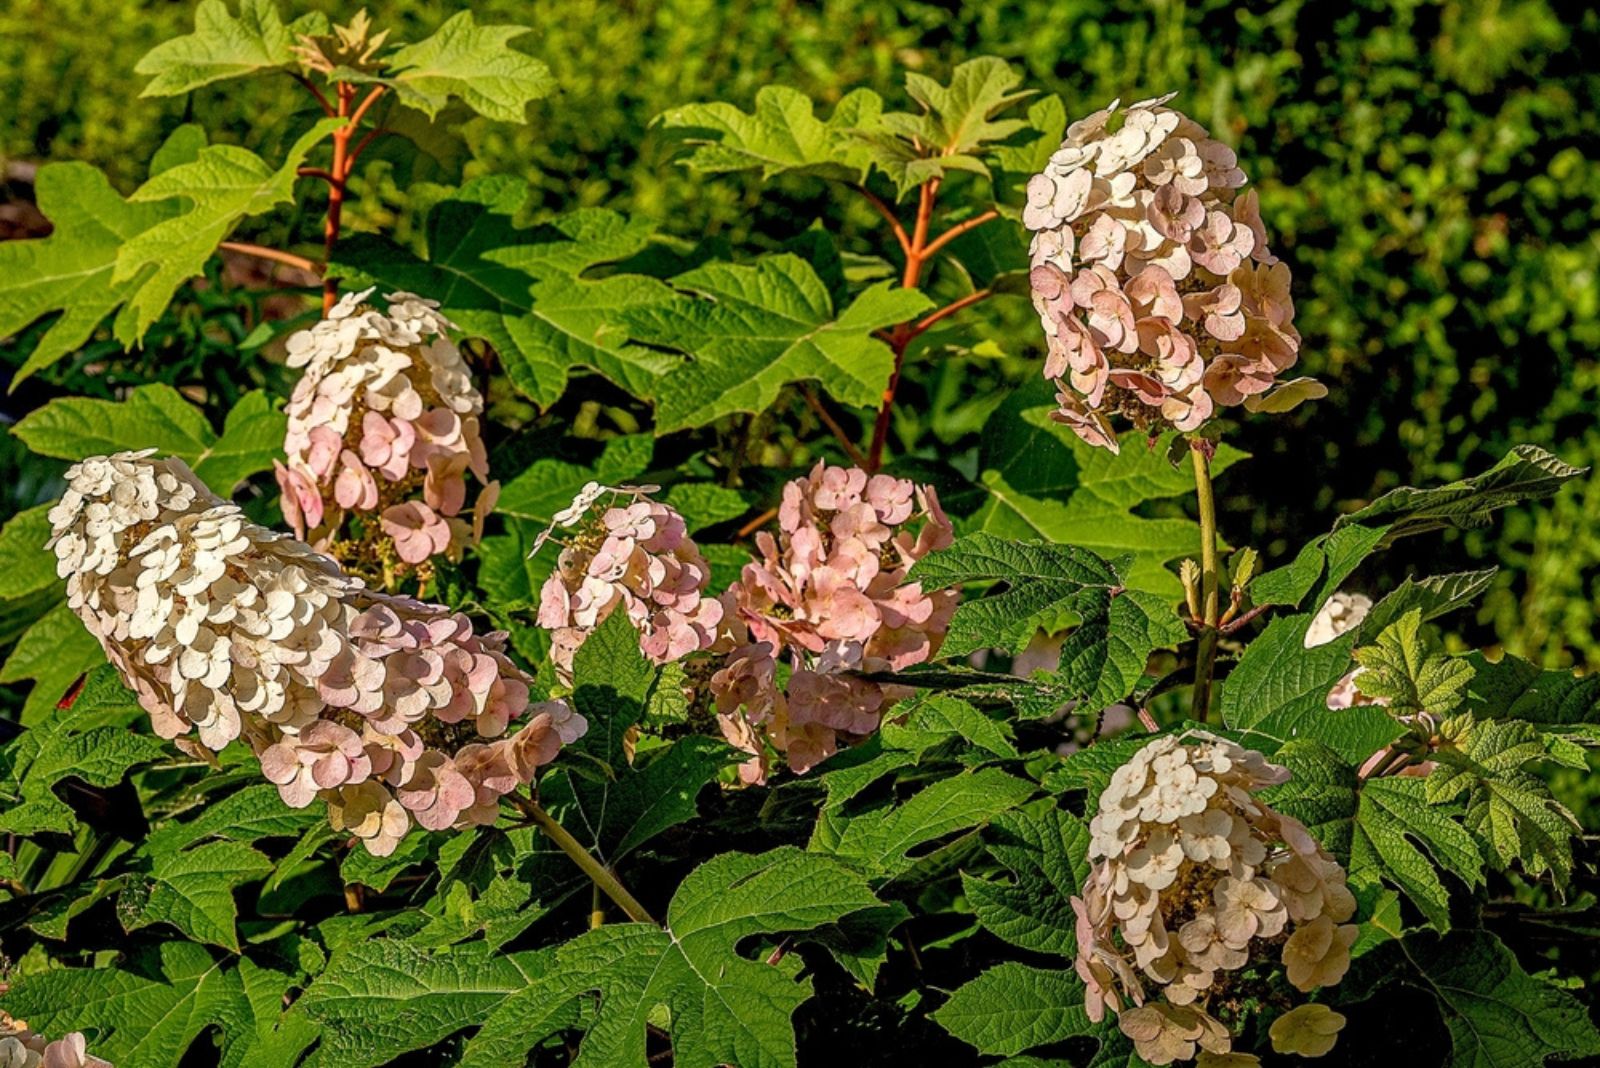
(1430, 169)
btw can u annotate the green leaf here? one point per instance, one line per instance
(1498, 1015)
(879, 840)
(781, 135)
(381, 997)
(931, 719)
(474, 64)
(1482, 763)
(955, 129)
(1392, 820)
(1047, 585)
(721, 1007)
(702, 504)
(222, 185)
(156, 416)
(247, 815)
(548, 486)
(1526, 473)
(225, 46)
(144, 1015)
(1278, 691)
(53, 652)
(1045, 850)
(1043, 482)
(1513, 688)
(70, 270)
(612, 686)
(1433, 597)
(193, 891)
(526, 290)
(1322, 793)
(1013, 1007)
(753, 330)
(32, 766)
(25, 566)
(1401, 669)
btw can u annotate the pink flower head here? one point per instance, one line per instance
(1148, 268)
(417, 531)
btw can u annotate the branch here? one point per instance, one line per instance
(361, 109)
(1236, 624)
(261, 252)
(309, 84)
(949, 310)
(832, 424)
(888, 213)
(757, 523)
(361, 146)
(957, 230)
(317, 172)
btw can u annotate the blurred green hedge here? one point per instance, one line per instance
(1430, 170)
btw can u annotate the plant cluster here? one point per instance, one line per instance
(790, 748)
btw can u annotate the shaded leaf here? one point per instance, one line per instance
(1013, 1007)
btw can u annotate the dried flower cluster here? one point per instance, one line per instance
(384, 411)
(829, 595)
(21, 1047)
(635, 554)
(1159, 296)
(1193, 879)
(391, 711)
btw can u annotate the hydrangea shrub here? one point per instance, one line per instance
(714, 653)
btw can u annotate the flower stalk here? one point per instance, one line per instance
(1206, 652)
(598, 873)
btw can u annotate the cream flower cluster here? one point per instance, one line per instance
(1159, 297)
(391, 711)
(21, 1047)
(1340, 613)
(829, 596)
(1193, 879)
(384, 410)
(635, 554)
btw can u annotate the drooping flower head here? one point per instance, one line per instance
(1194, 878)
(828, 596)
(391, 711)
(624, 550)
(383, 426)
(1151, 274)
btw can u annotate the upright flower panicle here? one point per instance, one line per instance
(1193, 879)
(633, 554)
(1159, 297)
(384, 413)
(828, 596)
(391, 711)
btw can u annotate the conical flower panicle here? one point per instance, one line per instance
(1159, 297)
(1192, 879)
(633, 554)
(829, 596)
(391, 711)
(383, 425)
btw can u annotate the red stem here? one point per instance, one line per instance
(330, 230)
(327, 108)
(957, 230)
(949, 310)
(833, 425)
(888, 213)
(264, 253)
(901, 336)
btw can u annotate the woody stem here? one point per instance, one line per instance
(597, 872)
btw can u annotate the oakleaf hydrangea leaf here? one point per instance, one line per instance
(473, 63)
(142, 1015)
(53, 651)
(752, 330)
(1526, 473)
(1497, 1014)
(222, 185)
(24, 569)
(1117, 629)
(722, 1007)
(781, 135)
(157, 416)
(1401, 669)
(35, 764)
(224, 45)
(1044, 848)
(1394, 823)
(1513, 688)
(1483, 765)
(527, 291)
(70, 270)
(193, 891)
(1013, 1007)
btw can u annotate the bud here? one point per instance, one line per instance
(389, 710)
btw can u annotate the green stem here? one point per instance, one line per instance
(597, 872)
(1206, 653)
